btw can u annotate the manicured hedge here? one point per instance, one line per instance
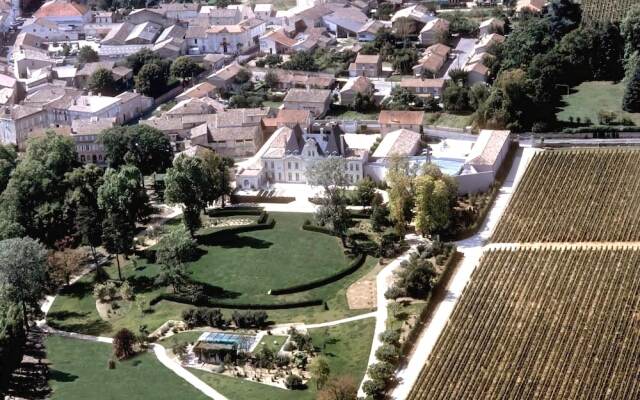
(235, 198)
(203, 301)
(355, 264)
(258, 226)
(232, 212)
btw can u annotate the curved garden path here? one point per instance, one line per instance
(472, 249)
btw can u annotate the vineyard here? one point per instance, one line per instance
(559, 322)
(582, 195)
(605, 10)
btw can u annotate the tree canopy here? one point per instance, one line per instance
(143, 146)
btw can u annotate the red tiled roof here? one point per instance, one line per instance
(61, 8)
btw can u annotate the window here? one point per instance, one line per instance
(296, 166)
(350, 167)
(279, 176)
(289, 166)
(289, 175)
(297, 177)
(272, 165)
(357, 167)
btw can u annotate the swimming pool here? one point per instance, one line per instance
(449, 166)
(243, 342)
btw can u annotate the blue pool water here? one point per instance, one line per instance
(449, 166)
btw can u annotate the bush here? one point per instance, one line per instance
(250, 319)
(106, 291)
(374, 388)
(293, 381)
(213, 317)
(126, 291)
(123, 343)
(393, 293)
(382, 371)
(205, 301)
(388, 353)
(441, 259)
(391, 336)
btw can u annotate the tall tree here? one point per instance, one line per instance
(400, 180)
(102, 82)
(173, 251)
(143, 146)
(185, 68)
(330, 174)
(189, 184)
(35, 193)
(151, 80)
(8, 161)
(631, 98)
(219, 168)
(320, 370)
(87, 54)
(23, 273)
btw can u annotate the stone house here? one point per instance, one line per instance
(317, 101)
(366, 65)
(393, 120)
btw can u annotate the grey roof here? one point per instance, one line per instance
(174, 31)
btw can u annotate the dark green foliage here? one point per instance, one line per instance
(250, 319)
(123, 343)
(381, 371)
(417, 277)
(196, 317)
(365, 192)
(404, 59)
(102, 82)
(12, 337)
(151, 80)
(374, 388)
(143, 146)
(185, 68)
(301, 61)
(33, 201)
(388, 353)
(564, 16)
(86, 54)
(631, 99)
(8, 158)
(293, 382)
(461, 24)
(456, 98)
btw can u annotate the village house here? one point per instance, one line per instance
(48, 30)
(214, 61)
(434, 31)
(142, 15)
(432, 60)
(344, 21)
(290, 118)
(368, 31)
(224, 79)
(17, 122)
(366, 65)
(393, 120)
(105, 17)
(177, 12)
(531, 6)
(121, 75)
(235, 39)
(86, 134)
(476, 73)
(203, 89)
(424, 87)
(317, 101)
(288, 79)
(212, 15)
(486, 44)
(64, 12)
(264, 11)
(195, 106)
(276, 42)
(417, 13)
(360, 84)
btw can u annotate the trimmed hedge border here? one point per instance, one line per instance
(236, 198)
(208, 302)
(258, 226)
(319, 229)
(353, 267)
(232, 212)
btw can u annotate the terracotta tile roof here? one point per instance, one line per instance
(432, 62)
(423, 83)
(199, 90)
(439, 49)
(61, 8)
(293, 116)
(360, 84)
(477, 67)
(278, 36)
(401, 142)
(367, 58)
(437, 24)
(401, 117)
(226, 29)
(487, 148)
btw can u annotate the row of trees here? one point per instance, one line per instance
(630, 28)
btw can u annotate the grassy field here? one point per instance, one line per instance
(587, 99)
(448, 120)
(346, 347)
(272, 104)
(245, 266)
(275, 342)
(79, 372)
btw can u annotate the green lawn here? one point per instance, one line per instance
(589, 98)
(79, 372)
(272, 104)
(448, 120)
(179, 338)
(275, 342)
(245, 266)
(346, 347)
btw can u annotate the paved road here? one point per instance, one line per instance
(462, 52)
(472, 249)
